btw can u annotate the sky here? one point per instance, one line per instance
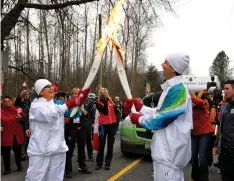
(201, 28)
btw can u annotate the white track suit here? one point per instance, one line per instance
(47, 147)
(164, 173)
(172, 122)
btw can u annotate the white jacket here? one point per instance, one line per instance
(46, 121)
(172, 122)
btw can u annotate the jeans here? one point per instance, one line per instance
(200, 154)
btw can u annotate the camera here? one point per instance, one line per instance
(212, 83)
(60, 94)
(215, 96)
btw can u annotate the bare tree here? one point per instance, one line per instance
(61, 42)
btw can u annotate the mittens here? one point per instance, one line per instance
(138, 105)
(79, 100)
(127, 106)
(134, 117)
(84, 92)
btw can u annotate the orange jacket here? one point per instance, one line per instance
(201, 121)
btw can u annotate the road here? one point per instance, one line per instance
(141, 171)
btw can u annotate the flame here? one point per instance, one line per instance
(114, 21)
(119, 51)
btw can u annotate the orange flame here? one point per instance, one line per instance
(114, 21)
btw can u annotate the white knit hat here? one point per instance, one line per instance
(40, 84)
(179, 62)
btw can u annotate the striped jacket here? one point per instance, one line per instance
(172, 121)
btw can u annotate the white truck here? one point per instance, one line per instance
(198, 83)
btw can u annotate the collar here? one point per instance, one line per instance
(171, 82)
(42, 99)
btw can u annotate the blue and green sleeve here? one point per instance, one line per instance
(173, 106)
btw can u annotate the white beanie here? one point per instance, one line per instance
(40, 84)
(179, 62)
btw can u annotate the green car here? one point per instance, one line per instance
(135, 138)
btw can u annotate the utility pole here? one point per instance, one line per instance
(100, 36)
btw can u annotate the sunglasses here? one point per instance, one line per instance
(48, 86)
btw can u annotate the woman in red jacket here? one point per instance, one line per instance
(107, 128)
(12, 133)
(201, 137)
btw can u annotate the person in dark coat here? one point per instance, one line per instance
(24, 101)
(224, 142)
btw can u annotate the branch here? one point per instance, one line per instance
(27, 21)
(10, 20)
(21, 70)
(55, 6)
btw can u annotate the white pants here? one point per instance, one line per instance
(46, 168)
(164, 173)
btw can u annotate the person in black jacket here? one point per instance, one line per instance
(118, 111)
(75, 131)
(225, 139)
(24, 101)
(90, 107)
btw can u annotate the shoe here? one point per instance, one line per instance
(6, 172)
(85, 170)
(90, 159)
(24, 157)
(107, 167)
(20, 168)
(98, 167)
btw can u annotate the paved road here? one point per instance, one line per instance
(141, 172)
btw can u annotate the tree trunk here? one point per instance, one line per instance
(41, 59)
(49, 67)
(85, 45)
(27, 40)
(77, 54)
(62, 49)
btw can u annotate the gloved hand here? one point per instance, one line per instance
(134, 117)
(128, 103)
(79, 100)
(138, 105)
(84, 92)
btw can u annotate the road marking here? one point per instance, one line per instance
(124, 170)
